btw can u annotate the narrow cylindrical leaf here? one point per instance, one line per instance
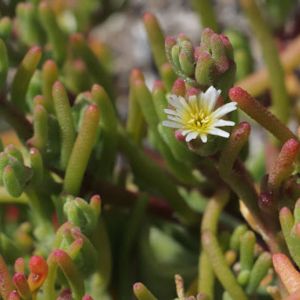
(135, 121)
(205, 11)
(40, 128)
(290, 232)
(3, 63)
(186, 65)
(262, 31)
(63, 260)
(142, 293)
(9, 249)
(23, 75)
(6, 286)
(81, 151)
(49, 76)
(13, 151)
(87, 297)
(205, 69)
(167, 74)
(283, 166)
(22, 286)
(210, 220)
(260, 114)
(247, 250)
(108, 134)
(55, 35)
(77, 76)
(6, 26)
(289, 276)
(156, 38)
(75, 248)
(259, 271)
(286, 221)
(27, 23)
(12, 182)
(19, 265)
(95, 203)
(221, 269)
(65, 120)
(14, 296)
(146, 104)
(179, 88)
(37, 166)
(243, 277)
(239, 136)
(219, 53)
(159, 100)
(297, 211)
(95, 67)
(38, 272)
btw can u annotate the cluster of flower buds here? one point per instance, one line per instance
(211, 63)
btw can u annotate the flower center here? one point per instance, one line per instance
(198, 120)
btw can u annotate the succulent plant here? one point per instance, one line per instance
(97, 206)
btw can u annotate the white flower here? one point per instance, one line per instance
(197, 117)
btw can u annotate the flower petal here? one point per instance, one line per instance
(223, 110)
(174, 118)
(220, 123)
(203, 137)
(171, 112)
(185, 132)
(174, 100)
(171, 124)
(210, 98)
(193, 102)
(219, 132)
(191, 136)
